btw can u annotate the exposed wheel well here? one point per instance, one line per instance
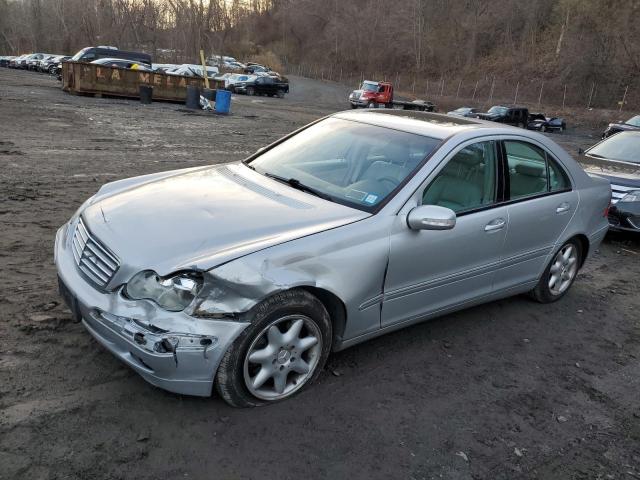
(335, 307)
(584, 244)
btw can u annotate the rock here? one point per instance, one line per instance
(42, 318)
(335, 373)
(142, 437)
(463, 456)
(561, 419)
(518, 452)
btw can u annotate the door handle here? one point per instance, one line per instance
(495, 224)
(563, 207)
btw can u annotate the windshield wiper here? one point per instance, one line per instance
(295, 183)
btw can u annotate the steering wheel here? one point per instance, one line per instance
(394, 182)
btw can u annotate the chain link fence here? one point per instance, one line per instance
(490, 90)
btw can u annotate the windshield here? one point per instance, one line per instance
(370, 87)
(347, 162)
(498, 110)
(635, 121)
(78, 55)
(623, 146)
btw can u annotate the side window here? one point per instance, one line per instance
(558, 179)
(527, 169)
(468, 180)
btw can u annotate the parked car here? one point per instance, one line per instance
(538, 121)
(89, 54)
(231, 79)
(193, 70)
(53, 64)
(632, 124)
(6, 60)
(517, 116)
(256, 68)
(31, 62)
(464, 112)
(120, 63)
(245, 276)
(264, 85)
(617, 158)
(16, 61)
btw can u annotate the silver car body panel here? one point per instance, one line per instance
(252, 236)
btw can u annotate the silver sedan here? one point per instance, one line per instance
(245, 276)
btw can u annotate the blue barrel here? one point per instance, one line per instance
(223, 101)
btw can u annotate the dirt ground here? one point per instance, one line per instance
(508, 390)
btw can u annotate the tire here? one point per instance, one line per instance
(250, 91)
(388, 105)
(237, 376)
(520, 125)
(371, 105)
(353, 106)
(544, 292)
(280, 94)
(543, 128)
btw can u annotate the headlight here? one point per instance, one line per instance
(632, 196)
(173, 293)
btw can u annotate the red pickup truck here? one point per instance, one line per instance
(374, 94)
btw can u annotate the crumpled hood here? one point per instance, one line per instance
(206, 217)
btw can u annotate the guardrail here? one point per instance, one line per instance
(89, 78)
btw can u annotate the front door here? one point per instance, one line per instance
(432, 270)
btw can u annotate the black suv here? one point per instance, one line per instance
(517, 116)
(265, 85)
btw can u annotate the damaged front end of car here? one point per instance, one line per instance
(172, 330)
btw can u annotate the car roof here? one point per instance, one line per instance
(429, 124)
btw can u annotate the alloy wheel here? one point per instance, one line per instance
(563, 269)
(282, 357)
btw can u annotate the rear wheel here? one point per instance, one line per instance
(279, 354)
(559, 274)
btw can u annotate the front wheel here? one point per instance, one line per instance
(559, 274)
(353, 106)
(279, 354)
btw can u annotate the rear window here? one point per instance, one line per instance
(623, 146)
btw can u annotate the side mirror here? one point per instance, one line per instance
(431, 217)
(580, 151)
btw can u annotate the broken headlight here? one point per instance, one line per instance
(632, 196)
(174, 292)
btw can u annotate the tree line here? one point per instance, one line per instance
(580, 42)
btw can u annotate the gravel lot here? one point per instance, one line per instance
(508, 390)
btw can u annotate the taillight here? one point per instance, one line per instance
(606, 210)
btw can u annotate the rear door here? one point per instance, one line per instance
(541, 202)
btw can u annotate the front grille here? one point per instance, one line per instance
(92, 258)
(618, 191)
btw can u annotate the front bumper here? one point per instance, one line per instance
(171, 350)
(625, 217)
